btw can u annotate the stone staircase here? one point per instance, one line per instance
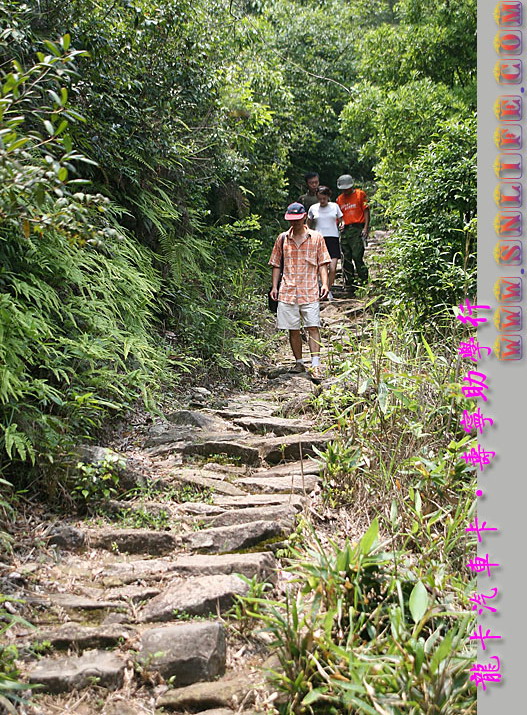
(144, 611)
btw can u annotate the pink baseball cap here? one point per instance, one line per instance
(295, 212)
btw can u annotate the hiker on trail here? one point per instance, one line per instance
(326, 217)
(312, 182)
(353, 203)
(305, 260)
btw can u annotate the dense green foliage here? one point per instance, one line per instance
(148, 149)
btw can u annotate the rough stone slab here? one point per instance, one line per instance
(73, 602)
(140, 570)
(199, 479)
(224, 470)
(152, 508)
(293, 407)
(224, 693)
(281, 485)
(197, 418)
(132, 594)
(246, 453)
(72, 635)
(235, 538)
(291, 468)
(198, 508)
(134, 541)
(283, 514)
(277, 449)
(279, 426)
(67, 537)
(251, 500)
(261, 564)
(191, 652)
(195, 596)
(74, 672)
(177, 437)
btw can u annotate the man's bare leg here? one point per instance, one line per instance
(295, 340)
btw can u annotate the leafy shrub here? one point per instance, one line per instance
(430, 259)
(363, 633)
(95, 482)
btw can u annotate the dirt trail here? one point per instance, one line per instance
(131, 614)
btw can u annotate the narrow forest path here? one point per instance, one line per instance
(135, 613)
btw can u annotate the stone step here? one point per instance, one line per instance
(252, 500)
(225, 539)
(246, 453)
(194, 596)
(281, 485)
(187, 652)
(131, 594)
(278, 426)
(261, 564)
(199, 418)
(307, 466)
(73, 635)
(227, 694)
(69, 602)
(59, 675)
(135, 541)
(177, 437)
(292, 447)
(281, 513)
(199, 478)
(200, 508)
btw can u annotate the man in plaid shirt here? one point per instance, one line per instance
(305, 260)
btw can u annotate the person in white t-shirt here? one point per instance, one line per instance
(326, 218)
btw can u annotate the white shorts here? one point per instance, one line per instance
(289, 316)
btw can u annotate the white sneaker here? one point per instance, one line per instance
(330, 296)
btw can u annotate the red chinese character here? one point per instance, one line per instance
(480, 602)
(471, 350)
(481, 564)
(477, 528)
(486, 673)
(474, 420)
(476, 385)
(478, 635)
(478, 457)
(467, 313)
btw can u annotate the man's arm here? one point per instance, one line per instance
(339, 219)
(366, 221)
(276, 278)
(323, 275)
(323, 259)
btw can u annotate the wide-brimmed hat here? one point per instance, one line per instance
(295, 212)
(345, 181)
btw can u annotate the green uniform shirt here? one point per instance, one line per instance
(307, 200)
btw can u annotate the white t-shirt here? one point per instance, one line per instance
(325, 218)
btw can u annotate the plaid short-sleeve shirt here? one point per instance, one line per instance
(301, 263)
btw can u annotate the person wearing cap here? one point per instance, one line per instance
(353, 203)
(312, 182)
(305, 260)
(325, 216)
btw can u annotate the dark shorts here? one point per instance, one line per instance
(333, 246)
